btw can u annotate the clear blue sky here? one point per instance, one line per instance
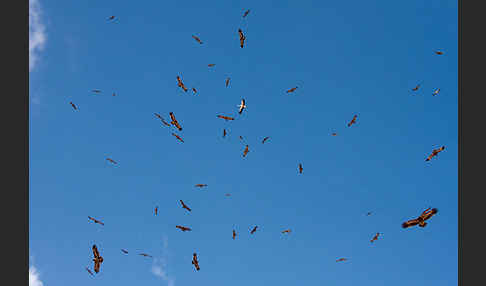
(346, 57)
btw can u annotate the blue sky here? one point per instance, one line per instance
(346, 57)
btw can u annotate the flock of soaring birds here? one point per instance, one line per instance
(98, 259)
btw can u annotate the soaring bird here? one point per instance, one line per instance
(95, 220)
(353, 121)
(184, 206)
(197, 39)
(174, 121)
(156, 210)
(74, 106)
(242, 37)
(181, 84)
(341, 259)
(194, 90)
(145, 255)
(246, 13)
(96, 90)
(265, 139)
(368, 213)
(224, 133)
(435, 152)
(195, 262)
(427, 214)
(89, 271)
(246, 151)
(416, 87)
(228, 195)
(201, 185)
(301, 169)
(286, 231)
(97, 259)
(436, 92)
(375, 237)
(242, 106)
(111, 161)
(183, 228)
(227, 82)
(334, 134)
(124, 251)
(162, 119)
(292, 89)
(211, 65)
(253, 230)
(225, 117)
(439, 52)
(111, 18)
(234, 234)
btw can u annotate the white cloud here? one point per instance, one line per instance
(159, 266)
(37, 33)
(34, 277)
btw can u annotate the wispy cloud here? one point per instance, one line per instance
(37, 33)
(159, 266)
(34, 277)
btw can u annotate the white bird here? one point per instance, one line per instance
(242, 106)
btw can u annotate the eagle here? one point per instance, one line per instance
(111, 18)
(253, 230)
(435, 152)
(181, 84)
(211, 65)
(436, 92)
(246, 13)
(97, 259)
(242, 106)
(227, 82)
(183, 228)
(341, 259)
(224, 133)
(145, 255)
(74, 106)
(439, 52)
(184, 206)
(194, 90)
(375, 237)
(353, 121)
(174, 121)
(286, 231)
(89, 271)
(111, 160)
(246, 151)
(301, 169)
(242, 37)
(124, 251)
(195, 262)
(225, 117)
(234, 234)
(197, 39)
(95, 220)
(292, 89)
(156, 210)
(201, 185)
(265, 139)
(428, 213)
(416, 87)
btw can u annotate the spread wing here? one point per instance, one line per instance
(246, 13)
(97, 266)
(164, 122)
(410, 223)
(429, 214)
(95, 252)
(265, 139)
(242, 37)
(246, 151)
(195, 91)
(227, 82)
(124, 251)
(178, 137)
(197, 39)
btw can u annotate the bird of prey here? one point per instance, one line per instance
(96, 90)
(435, 152)
(234, 234)
(375, 237)
(242, 106)
(353, 121)
(184, 206)
(242, 38)
(224, 133)
(197, 39)
(439, 52)
(195, 262)
(145, 255)
(181, 84)
(95, 220)
(301, 169)
(97, 259)
(201, 185)
(265, 139)
(178, 137)
(174, 121)
(183, 228)
(111, 18)
(156, 210)
(124, 251)
(227, 82)
(334, 134)
(225, 117)
(253, 230)
(341, 259)
(292, 89)
(427, 214)
(211, 65)
(74, 106)
(246, 13)
(111, 160)
(89, 271)
(416, 87)
(246, 151)
(194, 90)
(436, 92)
(286, 231)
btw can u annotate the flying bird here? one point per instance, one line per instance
(242, 38)
(156, 210)
(89, 271)
(178, 137)
(184, 206)
(174, 121)
(113, 94)
(439, 52)
(227, 82)
(436, 92)
(265, 139)
(181, 84)
(145, 255)
(234, 234)
(224, 133)
(435, 152)
(124, 251)
(74, 106)
(194, 90)
(286, 231)
(375, 237)
(341, 259)
(111, 160)
(253, 230)
(95, 220)
(427, 214)
(246, 151)
(242, 106)
(368, 213)
(96, 90)
(183, 228)
(301, 169)
(353, 121)
(111, 18)
(334, 134)
(246, 13)
(197, 39)
(195, 262)
(201, 185)
(292, 89)
(227, 195)
(225, 117)
(416, 87)
(162, 119)
(211, 65)
(97, 259)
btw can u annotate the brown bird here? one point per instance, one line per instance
(197, 39)
(242, 106)
(97, 259)
(246, 151)
(225, 117)
(265, 139)
(253, 230)
(183, 228)
(174, 121)
(353, 121)
(201, 185)
(246, 13)
(292, 89)
(74, 106)
(234, 234)
(184, 206)
(375, 237)
(341, 259)
(111, 160)
(195, 262)
(301, 169)
(242, 38)
(435, 152)
(227, 82)
(427, 214)
(224, 133)
(156, 210)
(181, 84)
(286, 231)
(178, 137)
(95, 220)
(334, 134)
(124, 251)
(111, 18)
(145, 255)
(439, 53)
(194, 90)
(211, 65)
(416, 87)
